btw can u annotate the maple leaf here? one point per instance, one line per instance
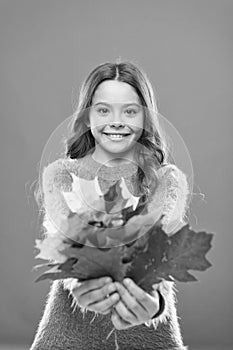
(90, 262)
(50, 248)
(58, 271)
(122, 236)
(142, 223)
(170, 258)
(118, 197)
(86, 195)
(99, 262)
(110, 198)
(147, 260)
(127, 195)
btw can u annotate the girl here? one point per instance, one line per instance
(115, 118)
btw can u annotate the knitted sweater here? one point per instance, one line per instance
(66, 327)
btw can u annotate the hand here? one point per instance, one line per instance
(94, 294)
(135, 305)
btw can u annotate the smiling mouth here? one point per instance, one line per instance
(116, 136)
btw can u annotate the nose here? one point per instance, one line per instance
(116, 120)
(116, 117)
(116, 124)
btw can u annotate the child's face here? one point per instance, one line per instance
(116, 108)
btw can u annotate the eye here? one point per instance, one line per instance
(103, 110)
(131, 111)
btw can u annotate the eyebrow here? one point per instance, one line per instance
(124, 105)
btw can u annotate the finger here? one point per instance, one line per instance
(125, 314)
(92, 284)
(145, 299)
(105, 305)
(97, 295)
(150, 302)
(106, 311)
(132, 305)
(118, 322)
(101, 293)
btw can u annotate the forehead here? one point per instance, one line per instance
(115, 91)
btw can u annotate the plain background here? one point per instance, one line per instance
(47, 49)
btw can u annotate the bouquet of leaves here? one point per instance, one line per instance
(119, 235)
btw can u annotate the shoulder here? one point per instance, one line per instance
(176, 190)
(58, 173)
(173, 177)
(167, 169)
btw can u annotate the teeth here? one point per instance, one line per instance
(115, 135)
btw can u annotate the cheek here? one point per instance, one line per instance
(138, 125)
(139, 121)
(96, 124)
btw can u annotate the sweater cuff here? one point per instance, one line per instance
(161, 306)
(70, 284)
(166, 296)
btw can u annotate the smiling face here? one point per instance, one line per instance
(116, 109)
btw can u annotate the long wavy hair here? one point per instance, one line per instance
(151, 149)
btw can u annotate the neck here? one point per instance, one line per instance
(112, 161)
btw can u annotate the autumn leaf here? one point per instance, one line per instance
(123, 237)
(131, 200)
(49, 248)
(171, 258)
(89, 262)
(147, 260)
(99, 262)
(58, 271)
(85, 195)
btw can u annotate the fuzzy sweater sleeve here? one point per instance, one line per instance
(175, 189)
(55, 178)
(176, 198)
